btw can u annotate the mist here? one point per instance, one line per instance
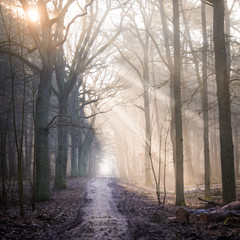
(119, 93)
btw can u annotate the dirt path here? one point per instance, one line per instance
(101, 219)
(89, 210)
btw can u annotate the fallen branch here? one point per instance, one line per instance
(210, 202)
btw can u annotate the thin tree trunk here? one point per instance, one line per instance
(11, 156)
(3, 165)
(26, 141)
(188, 155)
(87, 154)
(83, 150)
(73, 152)
(171, 70)
(75, 137)
(146, 97)
(236, 150)
(159, 132)
(178, 108)
(147, 140)
(91, 161)
(203, 91)
(18, 141)
(80, 159)
(33, 149)
(205, 104)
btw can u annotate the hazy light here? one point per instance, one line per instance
(33, 15)
(105, 168)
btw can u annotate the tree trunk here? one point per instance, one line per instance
(11, 156)
(171, 70)
(228, 60)
(75, 138)
(203, 92)
(228, 38)
(73, 153)
(236, 150)
(178, 109)
(182, 214)
(85, 162)
(148, 169)
(62, 152)
(42, 158)
(215, 143)
(80, 160)
(3, 170)
(31, 147)
(26, 167)
(188, 156)
(91, 162)
(205, 105)
(87, 153)
(223, 95)
(147, 139)
(83, 150)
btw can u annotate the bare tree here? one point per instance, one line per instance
(84, 54)
(224, 105)
(205, 103)
(179, 181)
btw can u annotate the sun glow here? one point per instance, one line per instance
(33, 15)
(105, 167)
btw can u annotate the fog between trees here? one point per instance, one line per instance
(128, 89)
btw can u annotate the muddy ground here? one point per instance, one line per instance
(101, 209)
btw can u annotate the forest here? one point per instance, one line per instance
(122, 98)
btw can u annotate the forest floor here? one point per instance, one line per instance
(105, 209)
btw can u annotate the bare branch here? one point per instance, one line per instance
(130, 63)
(24, 60)
(62, 13)
(71, 22)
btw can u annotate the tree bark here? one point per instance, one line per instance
(73, 110)
(179, 181)
(80, 160)
(42, 158)
(188, 155)
(205, 104)
(73, 153)
(223, 95)
(203, 92)
(146, 98)
(62, 153)
(182, 214)
(228, 60)
(171, 71)
(3, 170)
(236, 150)
(217, 216)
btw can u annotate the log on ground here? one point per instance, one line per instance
(182, 214)
(217, 216)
